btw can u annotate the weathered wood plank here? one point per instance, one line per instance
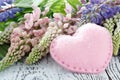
(46, 69)
(113, 69)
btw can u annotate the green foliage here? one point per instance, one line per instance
(3, 25)
(74, 3)
(24, 3)
(3, 50)
(58, 7)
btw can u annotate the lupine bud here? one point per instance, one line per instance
(109, 24)
(113, 25)
(116, 40)
(14, 54)
(5, 35)
(43, 47)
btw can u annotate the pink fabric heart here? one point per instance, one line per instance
(89, 50)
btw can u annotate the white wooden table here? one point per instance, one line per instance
(48, 69)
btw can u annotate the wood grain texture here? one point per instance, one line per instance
(113, 69)
(47, 69)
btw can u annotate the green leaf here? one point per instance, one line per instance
(74, 3)
(3, 50)
(3, 25)
(24, 3)
(28, 3)
(39, 2)
(50, 3)
(42, 4)
(58, 7)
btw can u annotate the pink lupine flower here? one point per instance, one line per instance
(17, 32)
(38, 32)
(45, 20)
(36, 13)
(68, 17)
(39, 21)
(27, 16)
(28, 21)
(60, 24)
(68, 9)
(35, 41)
(24, 34)
(26, 48)
(66, 25)
(57, 17)
(45, 11)
(52, 24)
(15, 40)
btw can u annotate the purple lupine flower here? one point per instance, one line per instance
(96, 18)
(96, 1)
(116, 9)
(6, 11)
(2, 17)
(2, 2)
(10, 13)
(107, 11)
(97, 10)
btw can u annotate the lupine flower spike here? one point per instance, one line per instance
(60, 25)
(42, 48)
(113, 25)
(24, 37)
(98, 10)
(5, 35)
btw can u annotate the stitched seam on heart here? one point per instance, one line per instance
(81, 69)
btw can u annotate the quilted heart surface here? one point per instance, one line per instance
(89, 50)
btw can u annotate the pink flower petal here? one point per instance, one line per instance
(36, 14)
(58, 16)
(29, 22)
(45, 11)
(68, 8)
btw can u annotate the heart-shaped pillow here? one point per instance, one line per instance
(89, 50)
